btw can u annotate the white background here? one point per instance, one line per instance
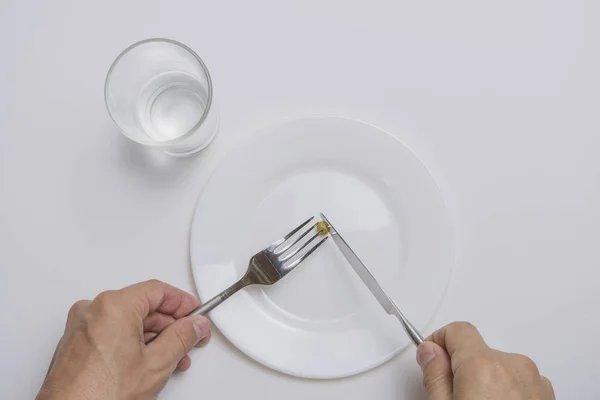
(500, 98)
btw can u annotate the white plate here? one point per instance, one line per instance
(320, 321)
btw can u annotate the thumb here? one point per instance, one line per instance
(437, 371)
(180, 337)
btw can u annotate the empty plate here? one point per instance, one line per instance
(320, 321)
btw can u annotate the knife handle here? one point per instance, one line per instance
(411, 331)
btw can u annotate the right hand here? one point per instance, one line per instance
(458, 365)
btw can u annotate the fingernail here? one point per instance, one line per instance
(425, 353)
(201, 326)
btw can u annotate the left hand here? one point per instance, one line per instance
(125, 344)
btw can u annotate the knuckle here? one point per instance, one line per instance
(549, 389)
(154, 282)
(105, 296)
(546, 381)
(462, 326)
(77, 307)
(106, 301)
(526, 365)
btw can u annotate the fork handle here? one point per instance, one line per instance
(218, 299)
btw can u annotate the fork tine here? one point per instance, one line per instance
(288, 246)
(293, 253)
(289, 235)
(308, 253)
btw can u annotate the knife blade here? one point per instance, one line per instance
(371, 283)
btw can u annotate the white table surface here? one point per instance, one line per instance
(501, 99)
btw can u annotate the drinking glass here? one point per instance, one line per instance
(159, 93)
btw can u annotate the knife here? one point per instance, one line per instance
(371, 283)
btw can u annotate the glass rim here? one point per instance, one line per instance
(184, 47)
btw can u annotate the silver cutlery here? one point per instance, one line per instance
(371, 283)
(268, 266)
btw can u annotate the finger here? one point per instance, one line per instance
(184, 364)
(204, 341)
(461, 340)
(437, 371)
(150, 296)
(174, 342)
(157, 322)
(548, 389)
(149, 336)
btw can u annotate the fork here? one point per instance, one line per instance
(268, 266)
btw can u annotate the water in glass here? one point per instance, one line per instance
(170, 105)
